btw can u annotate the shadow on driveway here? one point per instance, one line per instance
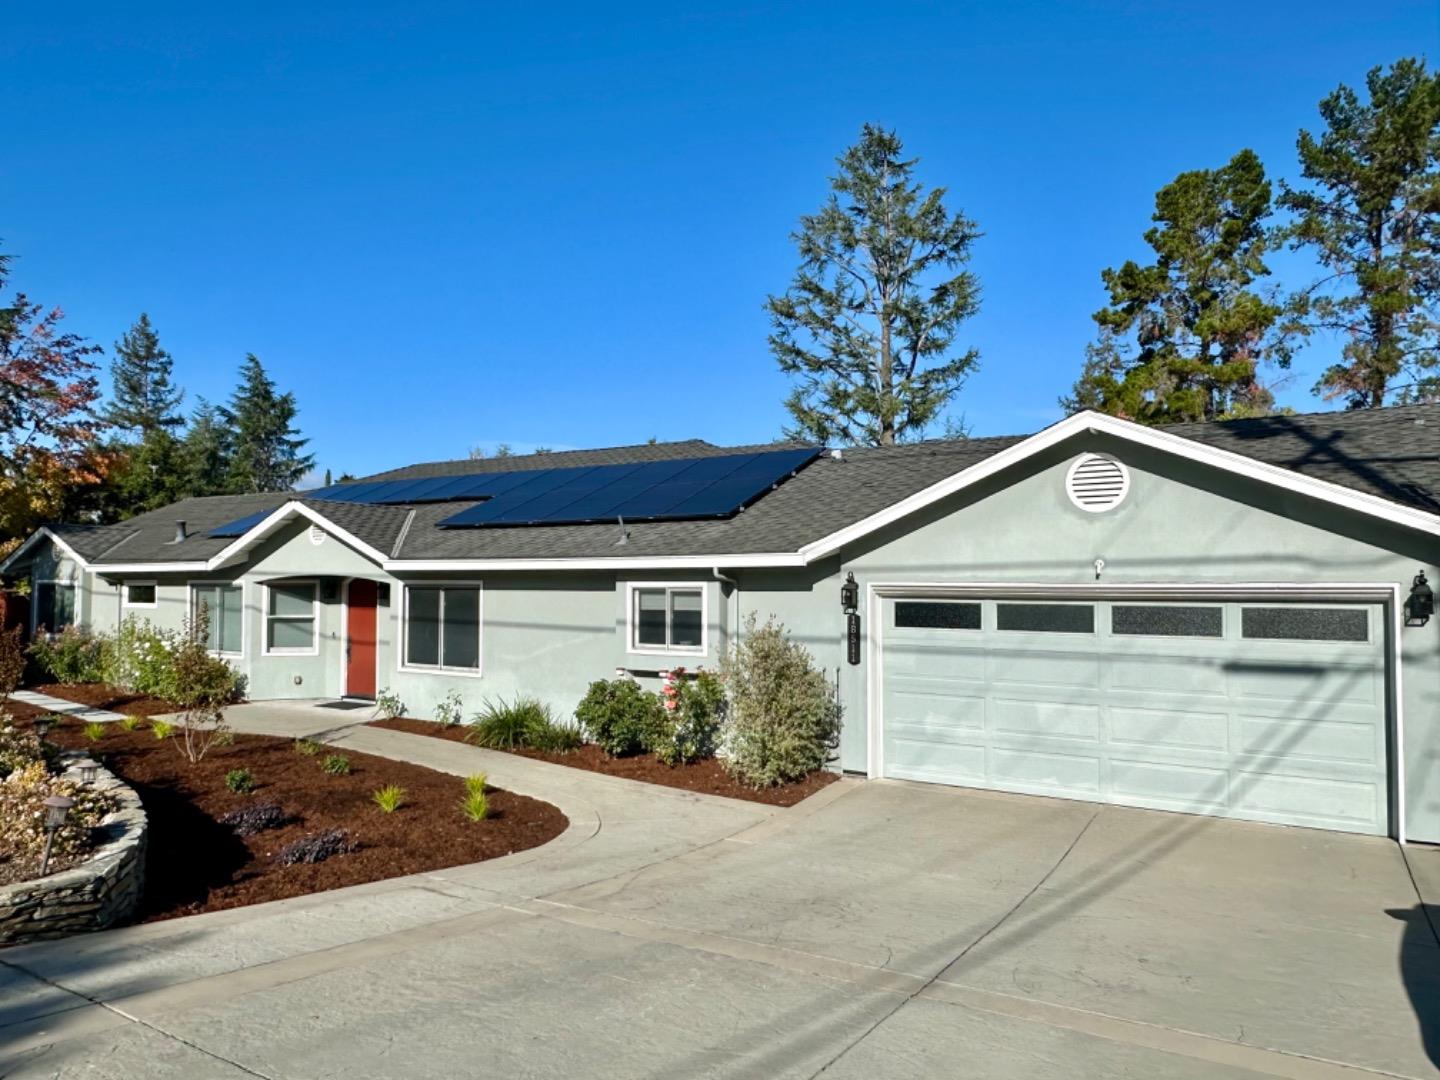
(1420, 970)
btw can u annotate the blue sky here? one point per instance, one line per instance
(450, 225)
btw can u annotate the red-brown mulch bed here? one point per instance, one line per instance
(100, 696)
(18, 710)
(707, 777)
(195, 864)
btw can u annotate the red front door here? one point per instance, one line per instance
(360, 639)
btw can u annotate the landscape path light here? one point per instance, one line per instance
(56, 809)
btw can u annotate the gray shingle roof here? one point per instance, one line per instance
(1393, 453)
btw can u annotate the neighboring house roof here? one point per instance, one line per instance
(1385, 462)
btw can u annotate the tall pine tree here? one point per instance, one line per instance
(1183, 336)
(144, 398)
(867, 325)
(1372, 218)
(205, 452)
(266, 452)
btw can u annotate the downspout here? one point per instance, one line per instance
(734, 627)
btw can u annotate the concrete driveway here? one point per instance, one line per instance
(880, 929)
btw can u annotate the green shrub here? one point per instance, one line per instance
(308, 747)
(335, 764)
(475, 804)
(696, 712)
(450, 711)
(161, 729)
(203, 684)
(130, 723)
(95, 730)
(784, 718)
(388, 798)
(74, 655)
(388, 704)
(505, 725)
(141, 658)
(240, 781)
(621, 717)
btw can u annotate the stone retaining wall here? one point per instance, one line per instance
(100, 892)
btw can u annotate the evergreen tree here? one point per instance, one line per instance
(867, 324)
(1372, 218)
(1183, 337)
(153, 475)
(144, 397)
(266, 452)
(205, 453)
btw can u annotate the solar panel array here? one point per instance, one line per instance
(676, 490)
(240, 527)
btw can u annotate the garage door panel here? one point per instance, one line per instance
(1164, 728)
(1169, 674)
(1327, 803)
(1193, 788)
(1033, 667)
(1018, 717)
(1270, 729)
(1031, 769)
(1323, 740)
(1308, 685)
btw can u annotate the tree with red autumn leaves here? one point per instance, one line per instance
(48, 392)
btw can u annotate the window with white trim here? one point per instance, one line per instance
(667, 618)
(139, 594)
(54, 605)
(223, 605)
(442, 627)
(290, 617)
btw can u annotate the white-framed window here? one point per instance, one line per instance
(53, 605)
(442, 627)
(292, 615)
(667, 617)
(224, 605)
(138, 594)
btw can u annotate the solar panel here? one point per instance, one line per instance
(240, 526)
(662, 490)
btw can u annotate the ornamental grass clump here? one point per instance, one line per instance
(335, 765)
(388, 798)
(129, 723)
(94, 731)
(475, 804)
(621, 717)
(784, 716)
(524, 722)
(308, 747)
(162, 729)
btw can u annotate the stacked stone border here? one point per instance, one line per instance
(98, 893)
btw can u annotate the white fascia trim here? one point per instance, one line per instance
(1097, 423)
(1159, 590)
(659, 562)
(43, 533)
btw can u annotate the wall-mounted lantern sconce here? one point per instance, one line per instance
(1420, 604)
(850, 594)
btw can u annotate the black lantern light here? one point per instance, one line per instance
(56, 808)
(43, 724)
(1421, 603)
(850, 594)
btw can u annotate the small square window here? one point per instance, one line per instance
(139, 594)
(667, 618)
(290, 617)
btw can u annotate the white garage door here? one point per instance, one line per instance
(1264, 710)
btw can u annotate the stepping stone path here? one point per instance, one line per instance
(68, 708)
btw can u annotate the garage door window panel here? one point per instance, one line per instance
(936, 615)
(1167, 620)
(1305, 624)
(1046, 618)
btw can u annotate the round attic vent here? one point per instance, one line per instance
(317, 535)
(1096, 484)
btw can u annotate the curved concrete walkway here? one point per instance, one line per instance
(878, 929)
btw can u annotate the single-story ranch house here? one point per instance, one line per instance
(1215, 618)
